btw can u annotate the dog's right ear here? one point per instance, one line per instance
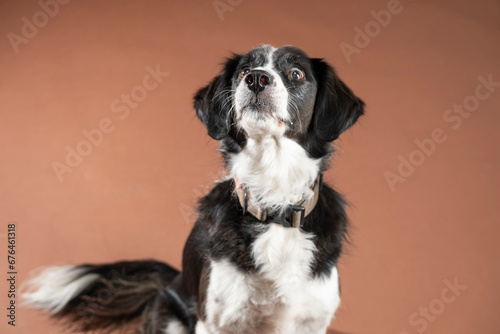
(213, 103)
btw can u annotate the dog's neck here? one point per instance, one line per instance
(276, 171)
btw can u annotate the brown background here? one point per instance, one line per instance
(133, 196)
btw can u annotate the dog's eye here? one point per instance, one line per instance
(244, 72)
(296, 74)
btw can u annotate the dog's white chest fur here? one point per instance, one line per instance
(276, 171)
(281, 297)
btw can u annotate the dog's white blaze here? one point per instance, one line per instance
(279, 93)
(54, 287)
(281, 297)
(275, 170)
(255, 124)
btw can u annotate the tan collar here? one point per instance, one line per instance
(292, 217)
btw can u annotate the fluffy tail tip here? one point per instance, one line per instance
(51, 288)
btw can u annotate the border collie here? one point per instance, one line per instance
(262, 255)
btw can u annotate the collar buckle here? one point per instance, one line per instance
(298, 215)
(292, 217)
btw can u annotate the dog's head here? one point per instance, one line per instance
(278, 92)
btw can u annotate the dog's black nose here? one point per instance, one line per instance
(257, 80)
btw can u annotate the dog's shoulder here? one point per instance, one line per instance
(230, 233)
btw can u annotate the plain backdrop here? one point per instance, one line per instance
(420, 170)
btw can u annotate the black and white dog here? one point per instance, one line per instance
(262, 255)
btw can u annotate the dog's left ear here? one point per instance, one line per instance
(336, 107)
(213, 103)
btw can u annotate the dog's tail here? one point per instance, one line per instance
(105, 297)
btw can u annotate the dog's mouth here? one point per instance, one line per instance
(259, 113)
(258, 104)
(257, 109)
(260, 110)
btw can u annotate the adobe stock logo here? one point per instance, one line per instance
(427, 314)
(373, 28)
(94, 137)
(453, 117)
(223, 6)
(30, 28)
